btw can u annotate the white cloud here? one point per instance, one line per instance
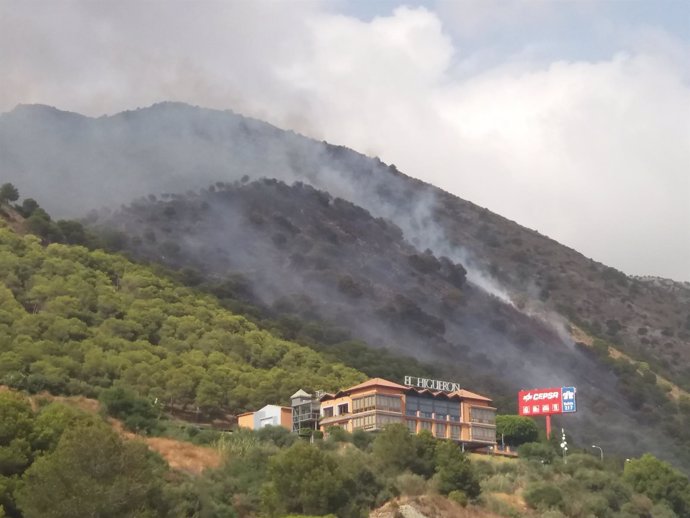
(592, 152)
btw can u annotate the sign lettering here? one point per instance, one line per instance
(425, 383)
(547, 401)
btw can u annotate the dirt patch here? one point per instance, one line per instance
(429, 506)
(184, 456)
(180, 455)
(14, 220)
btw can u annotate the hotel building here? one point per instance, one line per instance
(461, 415)
(451, 413)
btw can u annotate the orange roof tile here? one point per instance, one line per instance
(377, 382)
(470, 395)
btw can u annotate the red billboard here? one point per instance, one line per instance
(542, 401)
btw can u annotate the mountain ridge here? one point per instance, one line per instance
(173, 149)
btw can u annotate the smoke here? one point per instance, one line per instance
(581, 135)
(71, 163)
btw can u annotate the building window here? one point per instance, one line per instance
(424, 425)
(454, 432)
(441, 417)
(389, 403)
(363, 404)
(343, 409)
(482, 415)
(440, 431)
(441, 407)
(378, 402)
(374, 421)
(367, 422)
(383, 420)
(411, 425)
(410, 411)
(328, 412)
(479, 433)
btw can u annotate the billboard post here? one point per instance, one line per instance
(548, 426)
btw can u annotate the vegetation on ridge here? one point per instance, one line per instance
(57, 461)
(75, 321)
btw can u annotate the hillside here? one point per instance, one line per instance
(61, 460)
(74, 163)
(79, 321)
(307, 254)
(74, 321)
(504, 328)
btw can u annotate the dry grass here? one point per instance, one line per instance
(429, 506)
(180, 455)
(14, 220)
(184, 456)
(581, 336)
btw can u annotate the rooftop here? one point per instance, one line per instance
(300, 393)
(377, 382)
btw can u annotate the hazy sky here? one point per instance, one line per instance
(572, 118)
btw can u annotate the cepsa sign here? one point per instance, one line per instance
(546, 401)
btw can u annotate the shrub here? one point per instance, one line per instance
(410, 484)
(338, 434)
(483, 469)
(277, 435)
(362, 439)
(499, 506)
(537, 451)
(138, 414)
(543, 496)
(458, 497)
(499, 483)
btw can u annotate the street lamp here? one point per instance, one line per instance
(564, 446)
(601, 452)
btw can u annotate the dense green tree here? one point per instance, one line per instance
(360, 482)
(28, 206)
(138, 414)
(516, 430)
(16, 430)
(92, 473)
(77, 321)
(8, 192)
(276, 435)
(73, 232)
(304, 479)
(394, 448)
(425, 454)
(660, 482)
(541, 452)
(454, 471)
(52, 421)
